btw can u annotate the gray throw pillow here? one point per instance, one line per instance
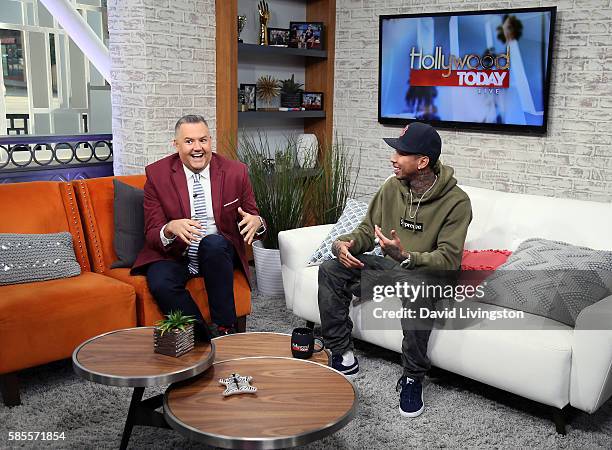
(129, 236)
(36, 257)
(351, 217)
(551, 279)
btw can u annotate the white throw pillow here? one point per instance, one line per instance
(351, 217)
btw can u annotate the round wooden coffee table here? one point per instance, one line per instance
(297, 402)
(126, 358)
(244, 345)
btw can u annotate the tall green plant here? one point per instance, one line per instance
(334, 183)
(279, 188)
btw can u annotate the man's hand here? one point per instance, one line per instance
(392, 247)
(248, 225)
(341, 250)
(186, 229)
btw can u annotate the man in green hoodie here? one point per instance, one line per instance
(420, 219)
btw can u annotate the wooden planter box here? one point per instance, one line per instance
(173, 343)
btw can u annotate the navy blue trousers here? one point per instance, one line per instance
(167, 280)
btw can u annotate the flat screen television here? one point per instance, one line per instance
(484, 70)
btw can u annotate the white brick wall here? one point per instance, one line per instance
(573, 161)
(162, 67)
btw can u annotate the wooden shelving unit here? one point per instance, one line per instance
(319, 72)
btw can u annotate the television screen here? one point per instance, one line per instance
(477, 70)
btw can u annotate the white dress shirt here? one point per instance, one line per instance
(211, 227)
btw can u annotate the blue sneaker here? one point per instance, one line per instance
(411, 397)
(349, 371)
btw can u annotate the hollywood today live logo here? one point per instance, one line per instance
(469, 71)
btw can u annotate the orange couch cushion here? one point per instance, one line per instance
(95, 197)
(43, 207)
(149, 312)
(45, 321)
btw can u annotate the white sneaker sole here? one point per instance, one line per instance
(413, 414)
(353, 376)
(348, 375)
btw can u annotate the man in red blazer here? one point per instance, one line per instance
(199, 211)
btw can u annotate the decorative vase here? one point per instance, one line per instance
(267, 105)
(268, 270)
(174, 342)
(291, 100)
(307, 148)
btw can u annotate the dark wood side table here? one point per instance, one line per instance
(126, 358)
(297, 402)
(260, 343)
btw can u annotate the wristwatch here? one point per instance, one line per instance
(262, 228)
(405, 264)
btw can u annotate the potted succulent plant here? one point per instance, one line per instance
(173, 336)
(291, 93)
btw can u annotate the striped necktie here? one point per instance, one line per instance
(199, 204)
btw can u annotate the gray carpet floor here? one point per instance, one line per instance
(459, 412)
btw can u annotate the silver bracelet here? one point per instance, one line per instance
(405, 264)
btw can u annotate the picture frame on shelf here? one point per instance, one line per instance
(250, 97)
(306, 35)
(312, 101)
(278, 37)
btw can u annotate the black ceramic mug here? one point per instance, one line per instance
(303, 343)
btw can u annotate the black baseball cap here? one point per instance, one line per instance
(418, 139)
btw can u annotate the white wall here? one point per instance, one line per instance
(162, 67)
(573, 161)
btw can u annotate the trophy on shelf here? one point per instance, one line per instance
(241, 100)
(264, 16)
(242, 20)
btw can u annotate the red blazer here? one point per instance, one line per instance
(166, 198)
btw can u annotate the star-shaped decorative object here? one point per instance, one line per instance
(236, 384)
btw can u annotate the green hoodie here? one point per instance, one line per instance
(435, 236)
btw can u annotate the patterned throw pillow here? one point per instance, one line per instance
(351, 217)
(551, 279)
(36, 257)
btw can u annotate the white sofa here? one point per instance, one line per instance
(551, 363)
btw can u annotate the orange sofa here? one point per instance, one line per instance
(95, 198)
(45, 321)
